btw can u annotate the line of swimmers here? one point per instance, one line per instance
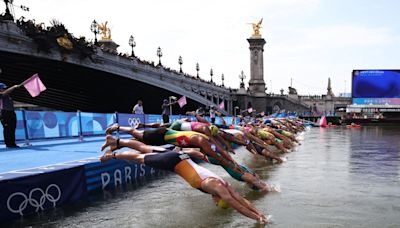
(211, 143)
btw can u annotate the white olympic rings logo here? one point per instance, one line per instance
(37, 203)
(133, 122)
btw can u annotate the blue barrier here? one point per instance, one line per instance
(42, 125)
(153, 119)
(95, 123)
(47, 124)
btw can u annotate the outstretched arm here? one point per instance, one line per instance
(10, 89)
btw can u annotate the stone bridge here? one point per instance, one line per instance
(110, 67)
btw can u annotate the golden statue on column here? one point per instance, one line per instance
(256, 29)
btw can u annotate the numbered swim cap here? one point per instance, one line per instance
(214, 130)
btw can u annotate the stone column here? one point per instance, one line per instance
(256, 83)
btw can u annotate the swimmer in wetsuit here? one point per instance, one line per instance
(237, 171)
(197, 176)
(162, 136)
(251, 178)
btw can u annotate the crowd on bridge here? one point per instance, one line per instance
(263, 137)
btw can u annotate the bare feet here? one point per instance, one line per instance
(111, 142)
(112, 128)
(108, 155)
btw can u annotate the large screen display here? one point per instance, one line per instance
(378, 87)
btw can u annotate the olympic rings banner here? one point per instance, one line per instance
(131, 120)
(31, 194)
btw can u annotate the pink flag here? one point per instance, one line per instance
(222, 105)
(182, 101)
(34, 85)
(250, 110)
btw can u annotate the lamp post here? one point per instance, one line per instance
(197, 69)
(95, 29)
(159, 54)
(211, 74)
(242, 77)
(271, 86)
(234, 110)
(171, 98)
(132, 43)
(180, 61)
(8, 15)
(223, 78)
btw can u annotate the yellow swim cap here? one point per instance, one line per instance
(262, 134)
(214, 130)
(222, 204)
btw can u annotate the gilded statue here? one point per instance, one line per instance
(64, 42)
(256, 28)
(105, 31)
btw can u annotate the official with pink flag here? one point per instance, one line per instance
(34, 85)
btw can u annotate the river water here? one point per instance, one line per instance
(337, 178)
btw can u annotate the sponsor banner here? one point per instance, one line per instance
(95, 123)
(33, 194)
(131, 120)
(115, 173)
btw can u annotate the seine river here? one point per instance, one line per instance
(336, 178)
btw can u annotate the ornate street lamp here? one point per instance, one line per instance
(180, 61)
(8, 15)
(95, 29)
(222, 78)
(159, 54)
(234, 110)
(197, 69)
(211, 74)
(242, 77)
(132, 43)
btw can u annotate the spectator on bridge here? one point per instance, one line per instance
(138, 108)
(8, 116)
(166, 110)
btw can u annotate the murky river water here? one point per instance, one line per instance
(336, 178)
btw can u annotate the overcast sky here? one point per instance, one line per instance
(307, 40)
